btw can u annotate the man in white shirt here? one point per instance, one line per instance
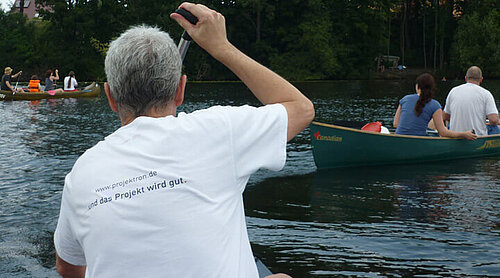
(468, 105)
(162, 195)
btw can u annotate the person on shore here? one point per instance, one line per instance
(415, 111)
(469, 105)
(50, 79)
(70, 82)
(6, 80)
(162, 195)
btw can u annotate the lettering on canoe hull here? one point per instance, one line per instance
(320, 137)
(490, 144)
(2, 96)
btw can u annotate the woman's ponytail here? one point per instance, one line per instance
(427, 86)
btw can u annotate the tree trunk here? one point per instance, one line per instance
(441, 54)
(436, 33)
(423, 40)
(389, 35)
(402, 33)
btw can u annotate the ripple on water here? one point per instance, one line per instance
(432, 220)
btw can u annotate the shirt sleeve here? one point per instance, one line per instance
(258, 137)
(491, 107)
(435, 106)
(447, 104)
(402, 101)
(66, 244)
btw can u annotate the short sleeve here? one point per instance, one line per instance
(66, 244)
(447, 104)
(435, 106)
(258, 137)
(403, 100)
(491, 107)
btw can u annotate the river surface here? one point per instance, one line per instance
(428, 220)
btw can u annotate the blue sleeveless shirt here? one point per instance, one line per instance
(49, 85)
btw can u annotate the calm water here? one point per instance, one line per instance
(432, 220)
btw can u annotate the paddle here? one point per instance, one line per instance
(17, 81)
(185, 38)
(15, 88)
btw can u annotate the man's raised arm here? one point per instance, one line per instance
(267, 86)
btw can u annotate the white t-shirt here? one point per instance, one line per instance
(162, 197)
(72, 84)
(469, 105)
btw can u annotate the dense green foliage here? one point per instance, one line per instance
(300, 39)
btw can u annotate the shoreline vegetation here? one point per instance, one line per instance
(346, 42)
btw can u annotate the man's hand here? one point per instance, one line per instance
(270, 88)
(210, 31)
(469, 135)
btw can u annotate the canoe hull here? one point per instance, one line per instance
(93, 90)
(336, 146)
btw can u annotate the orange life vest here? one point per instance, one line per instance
(34, 86)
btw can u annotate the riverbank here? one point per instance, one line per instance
(409, 73)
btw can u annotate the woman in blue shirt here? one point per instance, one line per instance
(417, 110)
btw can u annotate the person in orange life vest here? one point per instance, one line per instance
(34, 85)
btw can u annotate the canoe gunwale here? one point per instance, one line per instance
(395, 135)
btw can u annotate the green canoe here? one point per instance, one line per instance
(91, 90)
(337, 146)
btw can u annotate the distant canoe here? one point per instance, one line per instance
(337, 146)
(91, 90)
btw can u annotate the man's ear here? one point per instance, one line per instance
(179, 93)
(111, 100)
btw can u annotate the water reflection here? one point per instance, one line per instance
(440, 219)
(435, 219)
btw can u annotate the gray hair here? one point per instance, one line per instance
(143, 69)
(474, 73)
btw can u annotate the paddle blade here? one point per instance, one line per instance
(51, 92)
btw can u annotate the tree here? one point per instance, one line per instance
(476, 42)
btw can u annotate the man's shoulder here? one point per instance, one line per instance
(459, 87)
(91, 155)
(230, 111)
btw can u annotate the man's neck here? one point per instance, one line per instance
(474, 82)
(153, 113)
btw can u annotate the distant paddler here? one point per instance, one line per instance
(70, 82)
(35, 87)
(6, 80)
(50, 79)
(34, 84)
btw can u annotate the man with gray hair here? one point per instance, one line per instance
(162, 195)
(468, 105)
